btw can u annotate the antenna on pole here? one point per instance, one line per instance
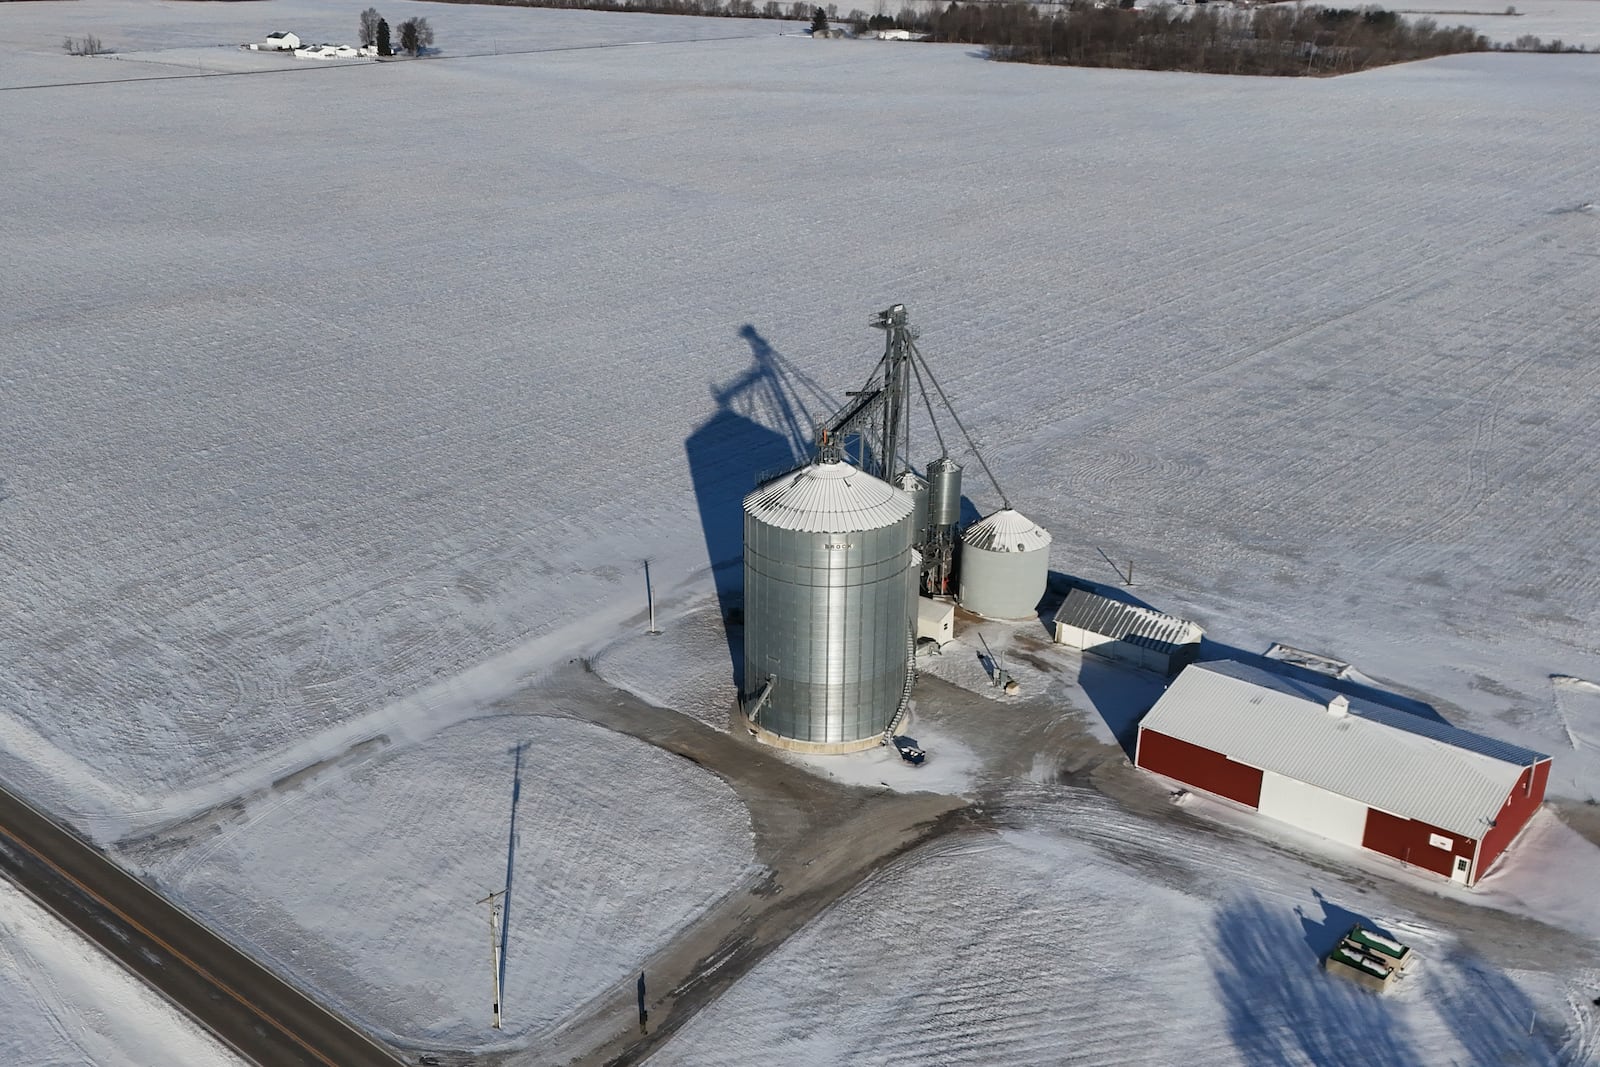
(493, 900)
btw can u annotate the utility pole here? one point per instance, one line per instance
(650, 597)
(493, 900)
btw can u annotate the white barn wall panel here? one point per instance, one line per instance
(1311, 808)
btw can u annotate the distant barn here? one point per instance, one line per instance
(1354, 771)
(1118, 630)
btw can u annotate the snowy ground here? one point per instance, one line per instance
(64, 1004)
(1081, 936)
(343, 400)
(375, 905)
(1573, 22)
(303, 464)
(1055, 940)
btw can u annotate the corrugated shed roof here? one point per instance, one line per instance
(1090, 611)
(1006, 531)
(1385, 758)
(828, 498)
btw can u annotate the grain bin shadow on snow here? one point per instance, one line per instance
(763, 421)
(1314, 681)
(1121, 695)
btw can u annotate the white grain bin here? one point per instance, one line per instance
(1005, 562)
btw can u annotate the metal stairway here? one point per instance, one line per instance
(905, 691)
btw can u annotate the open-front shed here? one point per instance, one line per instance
(1093, 622)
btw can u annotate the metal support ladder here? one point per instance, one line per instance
(905, 691)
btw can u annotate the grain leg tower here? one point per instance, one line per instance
(837, 551)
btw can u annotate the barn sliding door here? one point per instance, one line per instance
(1310, 808)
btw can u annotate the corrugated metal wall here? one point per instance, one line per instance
(1122, 651)
(1003, 585)
(1415, 842)
(828, 617)
(1199, 767)
(1524, 800)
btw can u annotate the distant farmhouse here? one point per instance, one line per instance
(279, 41)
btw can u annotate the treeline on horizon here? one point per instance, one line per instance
(1279, 39)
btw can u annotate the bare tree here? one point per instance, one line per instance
(369, 27)
(87, 45)
(416, 36)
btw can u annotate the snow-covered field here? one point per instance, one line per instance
(64, 1004)
(362, 882)
(1081, 936)
(1573, 22)
(343, 400)
(326, 438)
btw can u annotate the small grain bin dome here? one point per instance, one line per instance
(830, 580)
(1005, 562)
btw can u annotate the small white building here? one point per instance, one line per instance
(1144, 637)
(936, 619)
(278, 41)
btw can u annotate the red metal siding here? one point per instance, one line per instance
(1407, 839)
(1525, 798)
(1199, 767)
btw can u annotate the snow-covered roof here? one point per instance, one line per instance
(1088, 610)
(1404, 764)
(828, 498)
(1006, 531)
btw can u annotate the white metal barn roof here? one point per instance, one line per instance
(1088, 610)
(1401, 763)
(1006, 531)
(828, 498)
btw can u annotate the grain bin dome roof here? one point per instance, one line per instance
(828, 498)
(1006, 531)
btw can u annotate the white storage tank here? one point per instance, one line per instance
(1005, 563)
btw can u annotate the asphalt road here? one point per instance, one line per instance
(243, 1004)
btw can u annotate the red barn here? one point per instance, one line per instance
(1354, 771)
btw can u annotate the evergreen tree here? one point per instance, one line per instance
(384, 48)
(819, 21)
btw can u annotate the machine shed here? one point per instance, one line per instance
(1133, 634)
(1353, 770)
